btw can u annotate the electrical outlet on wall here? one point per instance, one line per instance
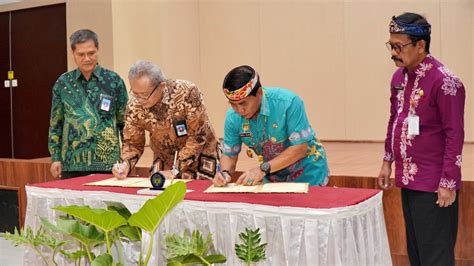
(14, 83)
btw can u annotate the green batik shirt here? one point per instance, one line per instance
(87, 118)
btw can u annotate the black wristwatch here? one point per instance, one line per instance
(265, 167)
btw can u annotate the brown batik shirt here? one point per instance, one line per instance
(178, 123)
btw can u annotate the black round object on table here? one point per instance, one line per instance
(157, 180)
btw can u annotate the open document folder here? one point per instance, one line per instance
(286, 187)
(138, 182)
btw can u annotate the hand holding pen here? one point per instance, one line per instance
(222, 177)
(120, 170)
(174, 169)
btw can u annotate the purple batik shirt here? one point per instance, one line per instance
(433, 158)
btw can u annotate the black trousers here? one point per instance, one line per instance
(431, 230)
(67, 175)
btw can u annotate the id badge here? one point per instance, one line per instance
(180, 128)
(105, 102)
(245, 134)
(413, 125)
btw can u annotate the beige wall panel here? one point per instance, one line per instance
(229, 37)
(301, 49)
(136, 34)
(97, 16)
(456, 50)
(179, 40)
(332, 53)
(368, 65)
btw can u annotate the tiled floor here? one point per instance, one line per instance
(10, 255)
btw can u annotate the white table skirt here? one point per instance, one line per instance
(353, 235)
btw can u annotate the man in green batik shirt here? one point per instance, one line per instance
(87, 113)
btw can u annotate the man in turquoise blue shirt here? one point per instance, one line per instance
(272, 122)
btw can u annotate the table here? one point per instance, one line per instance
(327, 226)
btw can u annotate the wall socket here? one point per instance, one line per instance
(14, 83)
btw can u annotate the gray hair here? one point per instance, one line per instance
(146, 68)
(82, 36)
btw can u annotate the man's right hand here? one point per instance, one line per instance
(120, 170)
(384, 175)
(56, 169)
(219, 180)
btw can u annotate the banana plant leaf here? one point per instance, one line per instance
(127, 232)
(195, 259)
(103, 219)
(154, 210)
(103, 260)
(86, 234)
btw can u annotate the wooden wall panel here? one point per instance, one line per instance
(465, 241)
(19, 173)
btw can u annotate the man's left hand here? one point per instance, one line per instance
(446, 197)
(251, 177)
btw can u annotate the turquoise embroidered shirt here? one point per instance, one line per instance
(281, 123)
(87, 118)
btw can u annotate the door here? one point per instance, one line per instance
(39, 57)
(5, 129)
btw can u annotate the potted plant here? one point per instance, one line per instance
(99, 229)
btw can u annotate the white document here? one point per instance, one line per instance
(285, 187)
(147, 191)
(137, 182)
(114, 182)
(231, 188)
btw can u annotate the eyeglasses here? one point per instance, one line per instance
(142, 97)
(397, 47)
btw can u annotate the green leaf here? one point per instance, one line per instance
(200, 246)
(86, 234)
(22, 237)
(132, 233)
(28, 237)
(74, 255)
(196, 259)
(120, 209)
(192, 259)
(39, 239)
(154, 210)
(251, 250)
(190, 249)
(103, 260)
(103, 219)
(127, 232)
(216, 258)
(174, 263)
(177, 245)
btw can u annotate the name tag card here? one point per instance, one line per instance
(413, 125)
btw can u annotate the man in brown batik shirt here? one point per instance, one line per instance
(174, 114)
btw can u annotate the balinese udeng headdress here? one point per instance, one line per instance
(244, 91)
(409, 29)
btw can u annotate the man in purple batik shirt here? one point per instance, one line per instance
(425, 137)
